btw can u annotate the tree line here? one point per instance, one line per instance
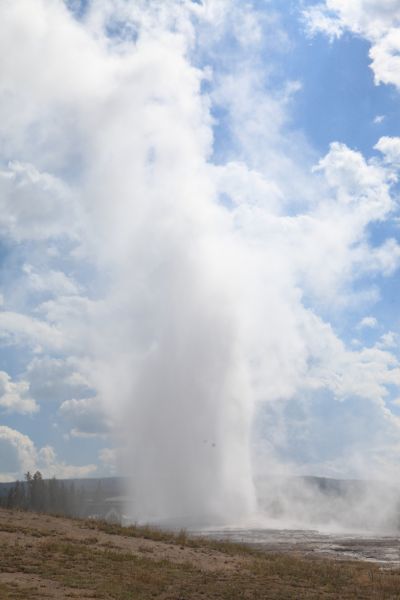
(46, 495)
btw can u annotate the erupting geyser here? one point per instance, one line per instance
(173, 336)
(182, 273)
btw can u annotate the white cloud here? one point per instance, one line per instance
(365, 373)
(21, 329)
(50, 466)
(364, 185)
(390, 148)
(370, 322)
(34, 205)
(378, 21)
(386, 258)
(55, 282)
(57, 380)
(86, 417)
(244, 186)
(15, 395)
(388, 340)
(371, 16)
(385, 57)
(18, 455)
(326, 245)
(46, 26)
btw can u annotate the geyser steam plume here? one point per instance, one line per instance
(186, 402)
(186, 246)
(208, 273)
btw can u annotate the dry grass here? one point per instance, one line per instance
(180, 538)
(78, 559)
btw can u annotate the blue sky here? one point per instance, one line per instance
(271, 191)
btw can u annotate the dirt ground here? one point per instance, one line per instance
(42, 557)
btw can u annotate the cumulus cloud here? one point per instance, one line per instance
(15, 396)
(57, 380)
(377, 21)
(18, 454)
(34, 205)
(366, 373)
(51, 466)
(390, 148)
(388, 340)
(358, 183)
(22, 329)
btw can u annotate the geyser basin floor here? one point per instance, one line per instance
(365, 547)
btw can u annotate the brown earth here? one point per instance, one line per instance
(43, 556)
